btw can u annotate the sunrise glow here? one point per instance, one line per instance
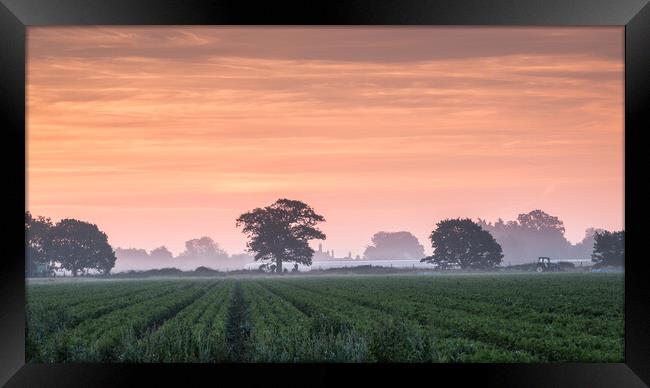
(162, 134)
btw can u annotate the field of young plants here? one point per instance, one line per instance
(292, 318)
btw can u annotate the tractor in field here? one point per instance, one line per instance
(544, 265)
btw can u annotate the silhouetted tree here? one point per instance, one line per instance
(533, 234)
(137, 258)
(161, 253)
(394, 245)
(462, 242)
(537, 220)
(281, 232)
(609, 248)
(36, 236)
(133, 258)
(203, 247)
(80, 246)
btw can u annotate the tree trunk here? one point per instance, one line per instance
(74, 272)
(278, 267)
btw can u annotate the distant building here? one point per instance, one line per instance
(328, 255)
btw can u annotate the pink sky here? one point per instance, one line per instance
(161, 134)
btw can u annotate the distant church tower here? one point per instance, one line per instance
(320, 248)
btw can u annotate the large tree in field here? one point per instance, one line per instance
(36, 237)
(609, 248)
(80, 246)
(281, 232)
(462, 242)
(394, 245)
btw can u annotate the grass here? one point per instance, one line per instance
(558, 317)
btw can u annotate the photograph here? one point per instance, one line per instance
(324, 194)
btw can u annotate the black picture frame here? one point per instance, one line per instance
(16, 15)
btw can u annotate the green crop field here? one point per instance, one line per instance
(407, 318)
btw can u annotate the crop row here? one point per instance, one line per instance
(545, 318)
(103, 339)
(565, 338)
(196, 334)
(46, 317)
(386, 336)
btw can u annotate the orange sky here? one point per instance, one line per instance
(161, 134)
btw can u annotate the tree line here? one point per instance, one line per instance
(69, 244)
(535, 234)
(280, 233)
(202, 251)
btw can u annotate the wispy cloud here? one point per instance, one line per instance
(442, 120)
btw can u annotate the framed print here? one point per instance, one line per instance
(285, 191)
